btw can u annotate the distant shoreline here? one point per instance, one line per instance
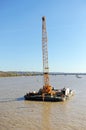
(13, 74)
(20, 73)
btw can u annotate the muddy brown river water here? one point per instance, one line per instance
(18, 114)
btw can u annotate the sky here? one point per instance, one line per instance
(21, 35)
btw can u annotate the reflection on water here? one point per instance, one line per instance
(16, 113)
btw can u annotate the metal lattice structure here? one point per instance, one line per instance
(45, 52)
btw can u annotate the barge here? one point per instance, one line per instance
(60, 95)
(48, 93)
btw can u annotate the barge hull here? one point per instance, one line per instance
(46, 98)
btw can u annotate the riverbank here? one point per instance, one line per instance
(13, 74)
(22, 73)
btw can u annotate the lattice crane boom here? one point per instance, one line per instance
(45, 52)
(47, 88)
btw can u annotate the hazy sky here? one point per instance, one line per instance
(21, 35)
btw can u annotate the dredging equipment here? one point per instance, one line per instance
(47, 92)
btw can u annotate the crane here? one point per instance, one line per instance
(47, 93)
(46, 87)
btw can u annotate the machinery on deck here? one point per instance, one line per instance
(47, 93)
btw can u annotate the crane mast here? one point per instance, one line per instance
(45, 52)
(46, 88)
(47, 92)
